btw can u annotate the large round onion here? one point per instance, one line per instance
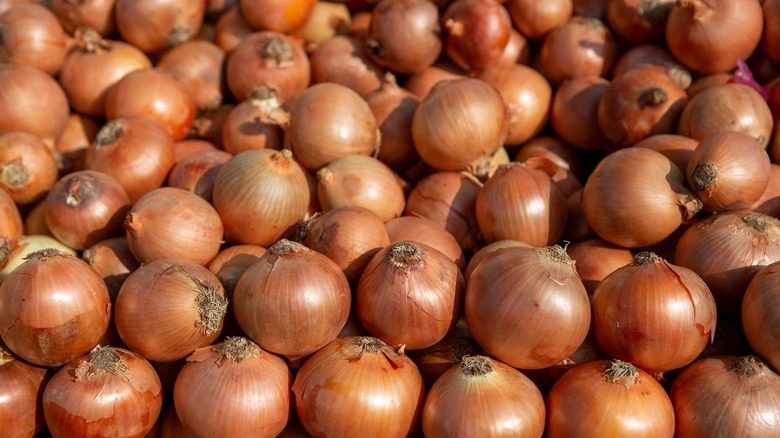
(22, 384)
(760, 320)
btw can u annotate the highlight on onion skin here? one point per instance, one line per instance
(158, 26)
(28, 169)
(22, 384)
(759, 314)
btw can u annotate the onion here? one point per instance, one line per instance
(293, 301)
(441, 356)
(455, 404)
(11, 226)
(709, 36)
(269, 59)
(237, 375)
(574, 113)
(72, 145)
(486, 251)
(641, 102)
(739, 108)
(251, 125)
(231, 29)
(173, 223)
(597, 258)
(527, 96)
(198, 65)
(516, 51)
(32, 36)
(648, 55)
(410, 293)
(349, 235)
(726, 394)
(93, 65)
(208, 126)
(28, 169)
(460, 124)
(591, 8)
(393, 108)
(196, 173)
(342, 60)
(677, 148)
(632, 321)
(404, 35)
(527, 306)
(420, 83)
(21, 410)
(647, 200)
(361, 181)
(536, 19)
(259, 194)
(759, 314)
(27, 245)
(639, 21)
(745, 243)
(520, 202)
(110, 391)
(423, 230)
(154, 94)
(95, 14)
(85, 207)
(185, 148)
(359, 369)
(329, 121)
(155, 26)
(475, 32)
(53, 308)
(230, 263)
(135, 151)
(169, 307)
(327, 19)
(728, 171)
(113, 260)
(579, 47)
(769, 202)
(613, 398)
(34, 96)
(552, 148)
(284, 16)
(771, 31)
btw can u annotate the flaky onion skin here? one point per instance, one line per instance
(359, 386)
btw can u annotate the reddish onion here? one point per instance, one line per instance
(656, 56)
(112, 259)
(173, 223)
(536, 19)
(455, 404)
(597, 258)
(342, 60)
(639, 21)
(198, 65)
(357, 369)
(96, 14)
(32, 36)
(239, 376)
(393, 108)
(613, 397)
(22, 384)
(580, 47)
(85, 207)
(760, 316)
(158, 25)
(54, 308)
(574, 113)
(28, 169)
(251, 125)
(168, 307)
(284, 16)
(475, 32)
(677, 148)
(196, 173)
(72, 145)
(231, 29)
(527, 306)
(110, 391)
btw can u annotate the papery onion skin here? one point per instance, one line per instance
(760, 316)
(343, 60)
(358, 369)
(423, 230)
(603, 398)
(97, 14)
(112, 259)
(32, 36)
(648, 204)
(649, 304)
(597, 258)
(580, 47)
(22, 384)
(527, 307)
(54, 308)
(159, 25)
(726, 396)
(475, 32)
(285, 16)
(199, 66)
(109, 392)
(238, 376)
(455, 406)
(28, 169)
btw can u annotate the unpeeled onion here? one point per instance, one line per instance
(28, 169)
(22, 384)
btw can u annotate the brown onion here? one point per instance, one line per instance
(237, 375)
(536, 19)
(358, 369)
(393, 108)
(251, 125)
(423, 230)
(745, 242)
(677, 148)
(551, 147)
(269, 59)
(759, 314)
(284, 16)
(632, 321)
(597, 258)
(208, 126)
(32, 36)
(198, 65)
(637, 197)
(329, 121)
(709, 36)
(168, 307)
(771, 32)
(54, 308)
(230, 263)
(349, 235)
(574, 113)
(293, 301)
(196, 173)
(158, 25)
(259, 194)
(28, 244)
(22, 384)
(85, 207)
(456, 404)
(420, 83)
(113, 260)
(486, 251)
(11, 226)
(110, 391)
(72, 145)
(327, 19)
(769, 202)
(231, 29)
(475, 32)
(580, 47)
(728, 171)
(639, 21)
(342, 60)
(527, 306)
(95, 14)
(28, 169)
(516, 51)
(173, 223)
(185, 148)
(656, 56)
(136, 151)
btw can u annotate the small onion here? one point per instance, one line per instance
(196, 173)
(527, 306)
(53, 308)
(536, 19)
(579, 47)
(238, 376)
(410, 293)
(612, 398)
(85, 207)
(574, 113)
(155, 26)
(475, 32)
(108, 392)
(597, 258)
(22, 384)
(173, 223)
(293, 301)
(167, 308)
(632, 320)
(28, 169)
(728, 395)
(198, 65)
(343, 60)
(359, 386)
(455, 405)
